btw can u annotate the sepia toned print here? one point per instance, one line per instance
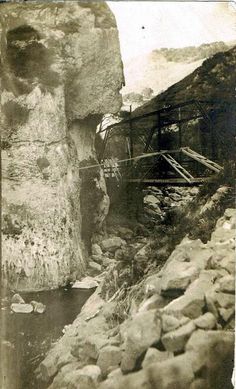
(118, 134)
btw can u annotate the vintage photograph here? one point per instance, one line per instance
(118, 211)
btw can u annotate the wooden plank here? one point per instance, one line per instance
(168, 181)
(203, 160)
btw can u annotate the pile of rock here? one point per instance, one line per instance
(157, 201)
(103, 254)
(18, 305)
(181, 335)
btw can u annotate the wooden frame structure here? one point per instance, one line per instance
(165, 117)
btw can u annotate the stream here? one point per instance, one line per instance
(26, 338)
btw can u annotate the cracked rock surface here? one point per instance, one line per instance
(61, 70)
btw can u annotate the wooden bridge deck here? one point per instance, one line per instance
(168, 181)
(145, 168)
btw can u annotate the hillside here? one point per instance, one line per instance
(215, 80)
(164, 67)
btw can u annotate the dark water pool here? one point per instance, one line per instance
(25, 338)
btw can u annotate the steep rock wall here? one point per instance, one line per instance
(61, 70)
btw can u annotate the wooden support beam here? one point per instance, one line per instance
(159, 140)
(152, 113)
(168, 181)
(131, 134)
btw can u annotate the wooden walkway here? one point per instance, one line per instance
(145, 168)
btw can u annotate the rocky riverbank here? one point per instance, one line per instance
(171, 328)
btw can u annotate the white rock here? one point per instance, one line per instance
(143, 331)
(109, 358)
(169, 323)
(112, 244)
(154, 302)
(225, 300)
(227, 284)
(153, 355)
(96, 249)
(143, 254)
(85, 283)
(17, 299)
(95, 266)
(206, 321)
(152, 285)
(178, 275)
(176, 340)
(93, 344)
(150, 199)
(226, 313)
(38, 307)
(21, 308)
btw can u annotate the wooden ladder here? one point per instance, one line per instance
(179, 168)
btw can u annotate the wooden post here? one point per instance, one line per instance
(213, 143)
(159, 131)
(131, 134)
(180, 130)
(180, 136)
(103, 147)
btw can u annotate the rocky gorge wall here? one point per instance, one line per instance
(61, 70)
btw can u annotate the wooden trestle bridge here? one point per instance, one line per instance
(147, 160)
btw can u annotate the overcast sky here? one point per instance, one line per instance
(145, 25)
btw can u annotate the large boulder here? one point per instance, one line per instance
(22, 308)
(193, 251)
(16, 298)
(177, 276)
(206, 321)
(142, 332)
(172, 373)
(109, 359)
(213, 353)
(170, 322)
(38, 307)
(92, 346)
(86, 378)
(112, 244)
(85, 283)
(96, 249)
(154, 302)
(68, 73)
(175, 340)
(227, 284)
(225, 227)
(154, 355)
(191, 304)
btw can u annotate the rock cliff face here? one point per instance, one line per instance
(61, 70)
